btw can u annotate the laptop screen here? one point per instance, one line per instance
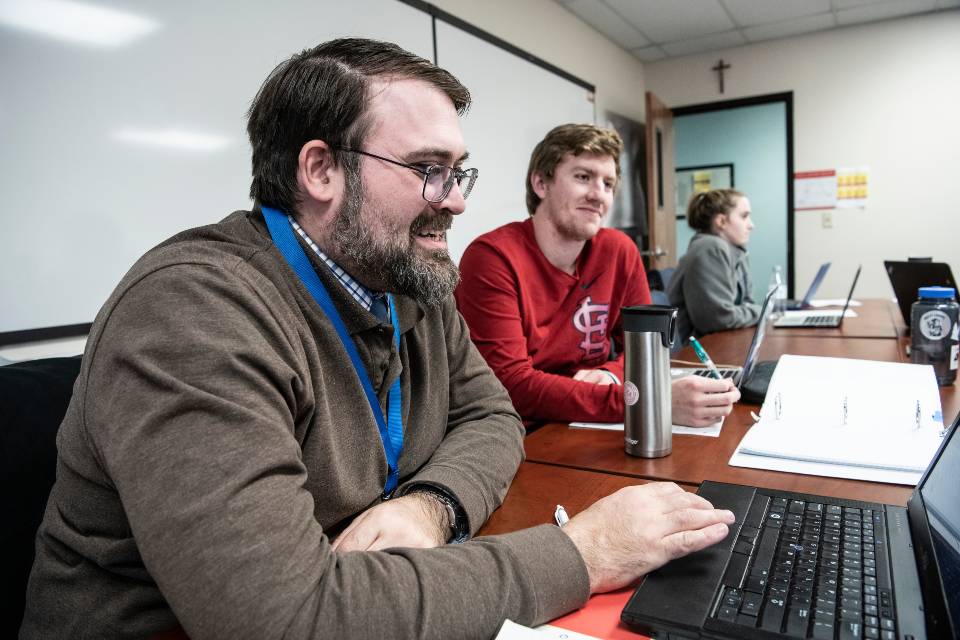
(907, 277)
(817, 279)
(939, 492)
(754, 350)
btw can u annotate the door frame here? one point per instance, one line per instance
(787, 99)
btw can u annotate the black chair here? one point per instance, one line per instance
(659, 279)
(33, 400)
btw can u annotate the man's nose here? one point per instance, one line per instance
(596, 190)
(453, 203)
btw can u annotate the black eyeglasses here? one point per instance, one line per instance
(437, 179)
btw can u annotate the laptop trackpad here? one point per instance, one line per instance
(679, 595)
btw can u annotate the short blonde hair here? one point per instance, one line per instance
(569, 138)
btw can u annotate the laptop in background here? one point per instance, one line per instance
(807, 566)
(821, 320)
(906, 277)
(739, 374)
(808, 296)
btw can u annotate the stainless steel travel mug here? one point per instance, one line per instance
(648, 334)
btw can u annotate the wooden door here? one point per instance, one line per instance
(661, 201)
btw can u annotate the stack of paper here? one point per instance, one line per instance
(712, 430)
(845, 418)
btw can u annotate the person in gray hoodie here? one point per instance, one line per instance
(711, 285)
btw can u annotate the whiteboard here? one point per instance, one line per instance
(85, 191)
(515, 103)
(90, 180)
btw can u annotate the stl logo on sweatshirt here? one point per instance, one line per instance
(591, 320)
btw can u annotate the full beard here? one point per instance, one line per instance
(395, 262)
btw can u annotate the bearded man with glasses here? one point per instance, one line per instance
(281, 428)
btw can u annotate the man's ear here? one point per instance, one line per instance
(539, 183)
(318, 176)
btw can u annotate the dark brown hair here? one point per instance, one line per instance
(706, 204)
(323, 94)
(569, 138)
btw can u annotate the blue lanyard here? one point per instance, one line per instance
(391, 430)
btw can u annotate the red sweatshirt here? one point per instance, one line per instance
(537, 325)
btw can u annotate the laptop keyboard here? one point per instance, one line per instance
(819, 320)
(810, 570)
(724, 373)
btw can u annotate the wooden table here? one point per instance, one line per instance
(730, 347)
(876, 318)
(698, 458)
(537, 489)
(576, 467)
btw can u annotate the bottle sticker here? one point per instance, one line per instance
(956, 332)
(934, 325)
(630, 393)
(954, 353)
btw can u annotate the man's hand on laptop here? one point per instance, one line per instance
(701, 402)
(637, 529)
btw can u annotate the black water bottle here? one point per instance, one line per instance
(934, 332)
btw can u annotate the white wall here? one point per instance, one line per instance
(548, 31)
(541, 27)
(885, 95)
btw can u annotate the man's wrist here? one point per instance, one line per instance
(448, 510)
(589, 552)
(612, 376)
(434, 512)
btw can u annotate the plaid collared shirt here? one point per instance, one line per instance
(359, 292)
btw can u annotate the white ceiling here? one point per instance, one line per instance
(657, 29)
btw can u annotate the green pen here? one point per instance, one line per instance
(704, 358)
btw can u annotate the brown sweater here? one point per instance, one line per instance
(217, 432)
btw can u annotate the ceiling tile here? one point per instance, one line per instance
(790, 27)
(666, 20)
(750, 12)
(649, 54)
(710, 43)
(605, 20)
(881, 11)
(947, 4)
(849, 4)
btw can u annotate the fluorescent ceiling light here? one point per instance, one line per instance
(173, 139)
(75, 21)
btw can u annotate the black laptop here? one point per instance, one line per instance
(907, 277)
(738, 374)
(807, 566)
(753, 377)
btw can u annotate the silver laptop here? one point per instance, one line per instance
(739, 374)
(820, 320)
(812, 291)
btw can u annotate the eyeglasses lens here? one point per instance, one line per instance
(439, 180)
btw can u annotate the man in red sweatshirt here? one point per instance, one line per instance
(542, 297)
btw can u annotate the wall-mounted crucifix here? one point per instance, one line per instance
(720, 68)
